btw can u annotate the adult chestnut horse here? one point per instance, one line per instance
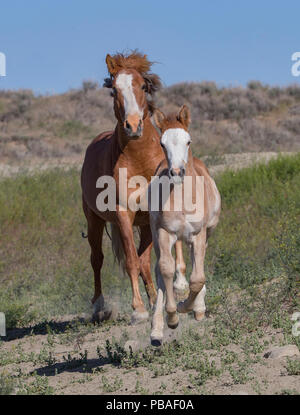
(134, 145)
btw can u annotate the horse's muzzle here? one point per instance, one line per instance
(132, 129)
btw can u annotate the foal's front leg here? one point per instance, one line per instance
(166, 265)
(164, 270)
(157, 326)
(195, 300)
(181, 286)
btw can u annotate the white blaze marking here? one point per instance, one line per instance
(124, 83)
(175, 141)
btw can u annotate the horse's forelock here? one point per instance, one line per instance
(139, 62)
(134, 60)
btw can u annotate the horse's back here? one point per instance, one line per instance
(97, 162)
(213, 198)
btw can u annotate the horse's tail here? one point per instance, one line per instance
(117, 246)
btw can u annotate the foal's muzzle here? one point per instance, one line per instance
(177, 174)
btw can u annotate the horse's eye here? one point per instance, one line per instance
(144, 87)
(188, 143)
(163, 146)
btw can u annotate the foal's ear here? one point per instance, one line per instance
(184, 116)
(111, 65)
(159, 118)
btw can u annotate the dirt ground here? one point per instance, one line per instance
(67, 355)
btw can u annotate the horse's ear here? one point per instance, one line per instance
(107, 83)
(184, 116)
(111, 66)
(159, 118)
(153, 83)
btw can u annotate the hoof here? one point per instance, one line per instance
(137, 317)
(109, 313)
(181, 295)
(181, 308)
(156, 342)
(98, 304)
(173, 324)
(199, 315)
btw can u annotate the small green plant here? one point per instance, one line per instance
(140, 389)
(39, 386)
(111, 387)
(73, 362)
(292, 367)
(240, 374)
(7, 384)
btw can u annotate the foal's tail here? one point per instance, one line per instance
(117, 246)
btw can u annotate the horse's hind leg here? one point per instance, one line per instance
(95, 233)
(144, 254)
(181, 286)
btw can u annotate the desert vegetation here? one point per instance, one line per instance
(256, 118)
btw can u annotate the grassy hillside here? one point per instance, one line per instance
(224, 120)
(44, 266)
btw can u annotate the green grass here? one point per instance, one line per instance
(258, 235)
(44, 262)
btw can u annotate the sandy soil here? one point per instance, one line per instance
(96, 376)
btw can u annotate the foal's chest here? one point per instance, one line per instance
(178, 223)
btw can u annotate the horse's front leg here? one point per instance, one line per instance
(157, 326)
(166, 265)
(181, 286)
(195, 300)
(132, 264)
(144, 253)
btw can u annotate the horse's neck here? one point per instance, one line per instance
(142, 145)
(189, 168)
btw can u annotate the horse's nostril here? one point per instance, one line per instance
(172, 172)
(127, 125)
(182, 171)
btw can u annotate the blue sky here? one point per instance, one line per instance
(52, 45)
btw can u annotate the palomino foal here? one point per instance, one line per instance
(173, 224)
